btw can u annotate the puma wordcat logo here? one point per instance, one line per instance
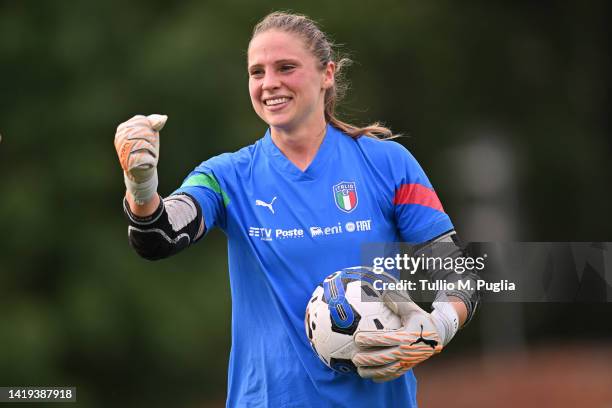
(264, 204)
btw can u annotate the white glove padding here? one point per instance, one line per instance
(137, 145)
(387, 354)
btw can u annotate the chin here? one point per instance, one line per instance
(277, 122)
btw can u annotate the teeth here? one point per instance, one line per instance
(276, 101)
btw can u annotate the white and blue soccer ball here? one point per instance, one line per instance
(344, 303)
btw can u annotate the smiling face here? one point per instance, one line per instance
(286, 82)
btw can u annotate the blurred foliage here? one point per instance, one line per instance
(78, 307)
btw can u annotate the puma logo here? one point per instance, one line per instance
(264, 204)
(430, 343)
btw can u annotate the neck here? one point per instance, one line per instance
(300, 146)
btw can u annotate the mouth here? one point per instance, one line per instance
(276, 102)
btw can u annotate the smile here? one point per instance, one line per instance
(276, 101)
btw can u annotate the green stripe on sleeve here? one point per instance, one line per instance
(209, 181)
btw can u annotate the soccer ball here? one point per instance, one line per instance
(344, 303)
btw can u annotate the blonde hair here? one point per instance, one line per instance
(325, 51)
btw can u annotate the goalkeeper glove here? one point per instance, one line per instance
(137, 145)
(387, 354)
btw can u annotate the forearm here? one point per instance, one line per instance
(463, 301)
(454, 308)
(172, 226)
(460, 308)
(144, 210)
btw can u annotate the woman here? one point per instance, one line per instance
(295, 206)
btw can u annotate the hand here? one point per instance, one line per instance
(387, 354)
(137, 146)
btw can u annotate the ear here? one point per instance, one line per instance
(329, 75)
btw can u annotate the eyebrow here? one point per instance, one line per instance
(277, 62)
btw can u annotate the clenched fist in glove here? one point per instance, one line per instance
(137, 145)
(387, 354)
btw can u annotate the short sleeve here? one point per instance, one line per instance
(206, 186)
(419, 215)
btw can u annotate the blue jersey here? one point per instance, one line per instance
(287, 230)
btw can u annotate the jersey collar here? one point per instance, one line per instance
(318, 165)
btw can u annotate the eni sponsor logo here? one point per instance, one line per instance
(320, 231)
(316, 231)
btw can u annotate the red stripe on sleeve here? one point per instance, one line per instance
(417, 194)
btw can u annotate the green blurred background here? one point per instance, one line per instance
(506, 105)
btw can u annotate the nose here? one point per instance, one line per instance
(270, 81)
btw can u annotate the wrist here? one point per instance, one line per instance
(446, 320)
(142, 191)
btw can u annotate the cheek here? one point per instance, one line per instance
(254, 93)
(310, 84)
(299, 82)
(296, 81)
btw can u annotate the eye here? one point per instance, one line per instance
(287, 68)
(256, 73)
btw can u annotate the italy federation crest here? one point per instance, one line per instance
(345, 195)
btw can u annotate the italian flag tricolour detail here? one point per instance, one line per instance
(345, 195)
